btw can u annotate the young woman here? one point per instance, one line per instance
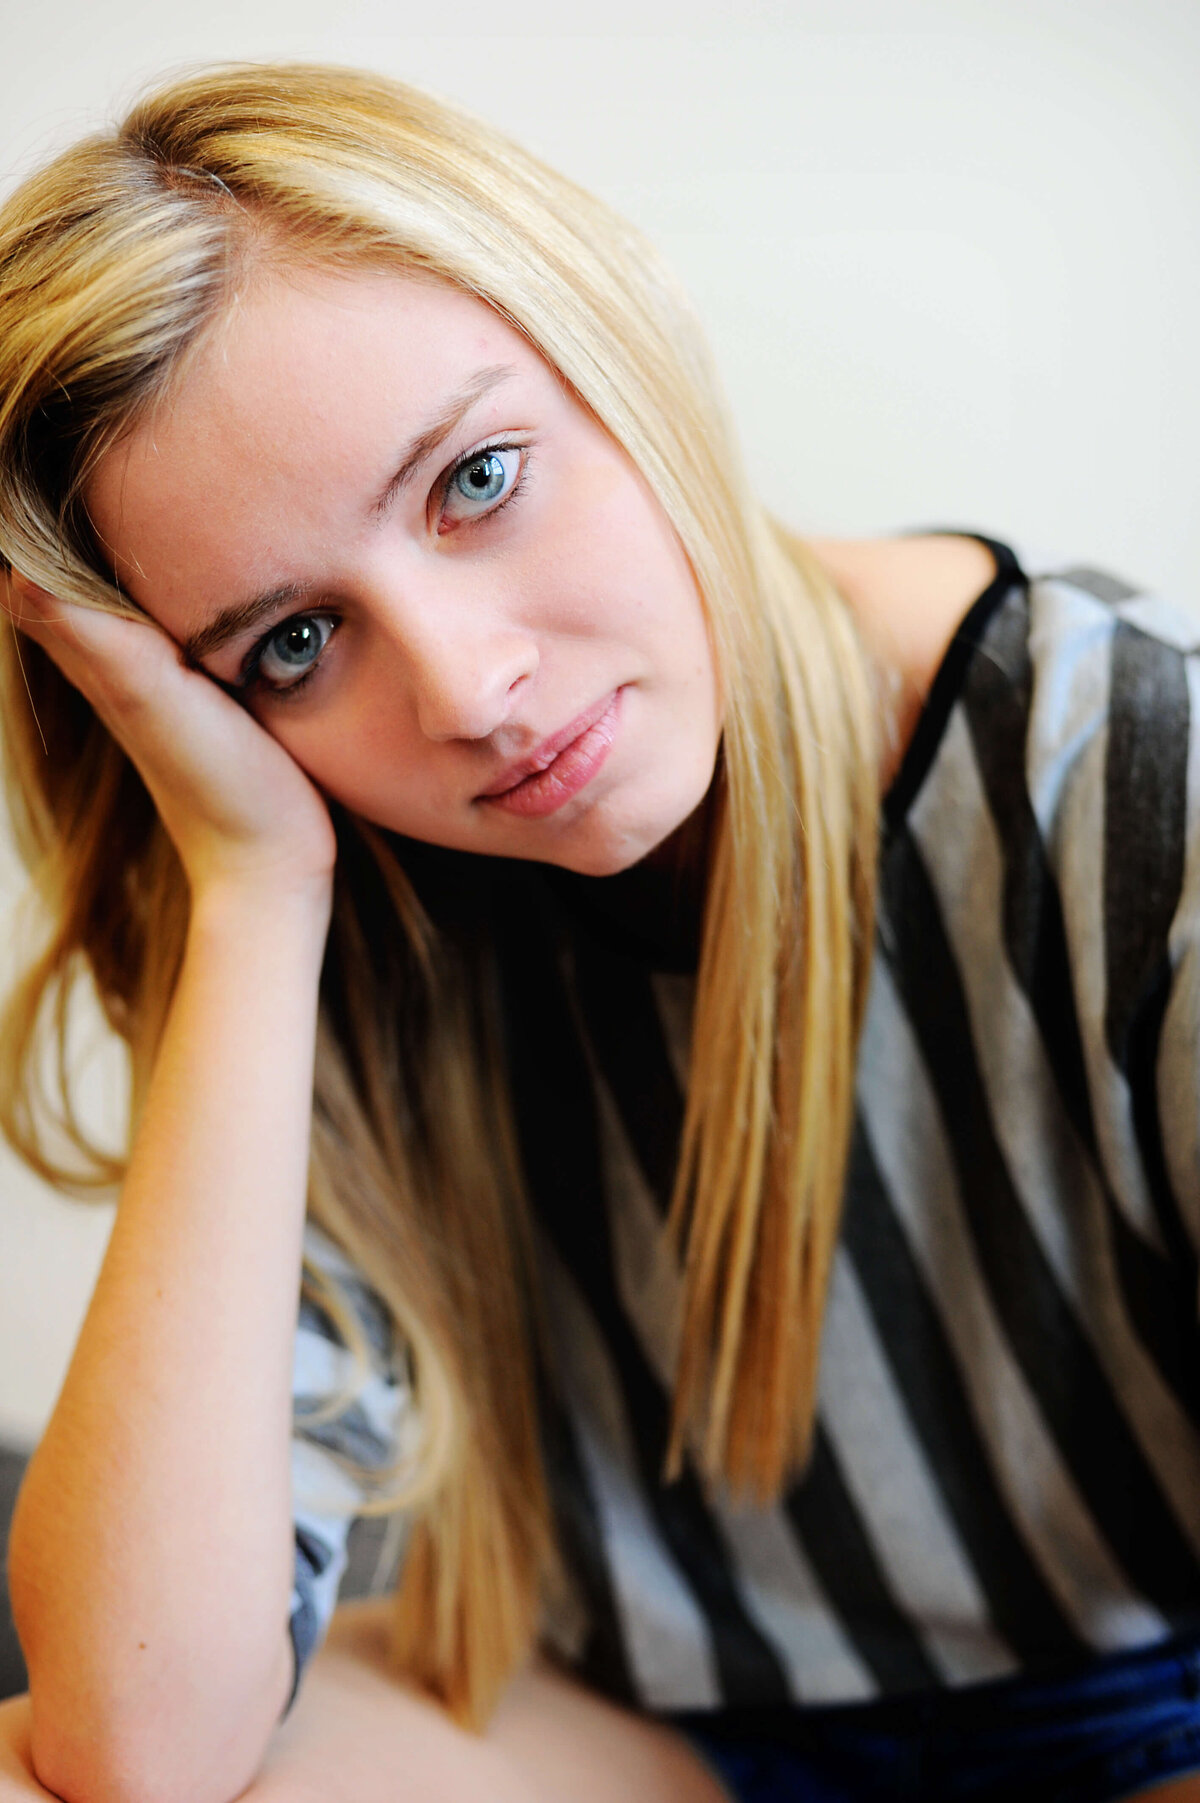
(465, 803)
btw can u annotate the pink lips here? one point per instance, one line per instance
(561, 766)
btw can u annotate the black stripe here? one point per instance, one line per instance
(1022, 1606)
(822, 1512)
(555, 1112)
(1145, 808)
(1145, 822)
(997, 699)
(626, 1033)
(1093, 1436)
(603, 1661)
(1100, 584)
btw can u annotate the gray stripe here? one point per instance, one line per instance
(898, 1501)
(787, 1602)
(901, 1116)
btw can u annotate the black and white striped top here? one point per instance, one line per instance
(1006, 1473)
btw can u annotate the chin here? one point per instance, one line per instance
(599, 863)
(616, 847)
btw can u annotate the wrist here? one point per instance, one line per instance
(297, 909)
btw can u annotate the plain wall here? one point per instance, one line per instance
(947, 252)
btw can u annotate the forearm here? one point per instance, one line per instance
(151, 1552)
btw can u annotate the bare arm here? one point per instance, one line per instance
(151, 1550)
(357, 1736)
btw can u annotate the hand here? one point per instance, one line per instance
(238, 808)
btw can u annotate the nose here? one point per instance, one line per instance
(467, 658)
(467, 688)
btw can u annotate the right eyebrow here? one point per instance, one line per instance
(438, 430)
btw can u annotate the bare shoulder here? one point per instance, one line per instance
(908, 596)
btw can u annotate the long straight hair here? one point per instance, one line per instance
(115, 261)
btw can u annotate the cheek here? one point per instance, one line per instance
(632, 538)
(362, 756)
(601, 519)
(327, 753)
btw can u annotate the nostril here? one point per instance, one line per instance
(468, 667)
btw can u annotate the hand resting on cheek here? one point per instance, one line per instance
(237, 807)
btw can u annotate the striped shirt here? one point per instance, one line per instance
(1006, 1469)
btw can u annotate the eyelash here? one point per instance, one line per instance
(251, 681)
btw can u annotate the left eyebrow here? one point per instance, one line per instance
(439, 429)
(232, 622)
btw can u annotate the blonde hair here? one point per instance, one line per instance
(113, 262)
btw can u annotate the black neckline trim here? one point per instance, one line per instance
(947, 684)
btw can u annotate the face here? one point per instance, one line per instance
(373, 512)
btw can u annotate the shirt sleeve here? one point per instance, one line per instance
(337, 1450)
(1107, 936)
(1170, 1043)
(1148, 905)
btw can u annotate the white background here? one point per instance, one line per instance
(947, 251)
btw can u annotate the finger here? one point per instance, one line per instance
(31, 608)
(122, 664)
(42, 617)
(69, 631)
(23, 601)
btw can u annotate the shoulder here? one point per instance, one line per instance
(908, 595)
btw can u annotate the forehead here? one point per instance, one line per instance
(299, 395)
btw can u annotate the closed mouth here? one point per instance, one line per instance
(548, 750)
(561, 767)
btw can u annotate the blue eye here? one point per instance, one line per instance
(292, 650)
(480, 481)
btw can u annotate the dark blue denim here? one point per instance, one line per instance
(1105, 1731)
